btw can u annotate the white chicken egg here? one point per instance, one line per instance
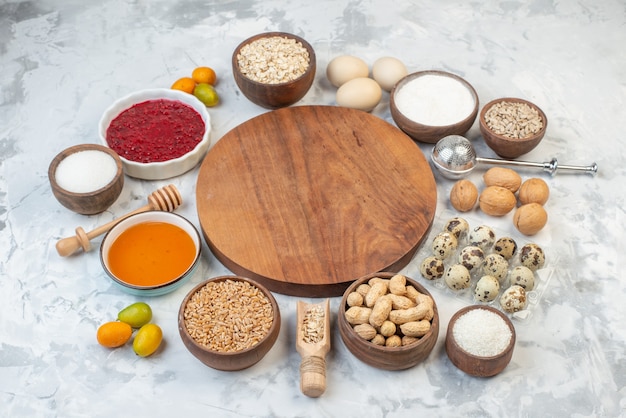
(360, 93)
(387, 71)
(344, 68)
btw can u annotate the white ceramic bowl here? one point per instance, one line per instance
(163, 169)
(151, 216)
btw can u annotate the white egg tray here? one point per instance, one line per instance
(533, 297)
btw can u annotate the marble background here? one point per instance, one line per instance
(63, 62)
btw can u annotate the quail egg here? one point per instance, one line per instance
(444, 245)
(496, 265)
(432, 268)
(532, 256)
(482, 236)
(506, 247)
(487, 288)
(471, 257)
(522, 276)
(513, 299)
(457, 277)
(459, 227)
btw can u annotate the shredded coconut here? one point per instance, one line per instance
(85, 171)
(482, 333)
(435, 100)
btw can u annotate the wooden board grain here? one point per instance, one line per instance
(307, 199)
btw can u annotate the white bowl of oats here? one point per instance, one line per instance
(274, 69)
(512, 127)
(229, 323)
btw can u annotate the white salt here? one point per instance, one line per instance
(85, 171)
(482, 333)
(435, 100)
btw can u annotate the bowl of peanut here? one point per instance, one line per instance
(274, 69)
(388, 321)
(512, 127)
(229, 323)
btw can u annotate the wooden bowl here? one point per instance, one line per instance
(159, 170)
(87, 202)
(274, 96)
(432, 133)
(229, 360)
(387, 358)
(506, 146)
(157, 286)
(475, 365)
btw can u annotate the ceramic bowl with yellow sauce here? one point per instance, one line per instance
(151, 253)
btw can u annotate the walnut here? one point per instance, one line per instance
(497, 201)
(534, 190)
(463, 195)
(503, 177)
(530, 218)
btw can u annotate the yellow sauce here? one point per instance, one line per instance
(151, 253)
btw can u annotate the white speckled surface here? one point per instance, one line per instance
(63, 62)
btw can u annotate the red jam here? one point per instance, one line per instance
(155, 130)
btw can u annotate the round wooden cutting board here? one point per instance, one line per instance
(307, 199)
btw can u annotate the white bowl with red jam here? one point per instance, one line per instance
(158, 133)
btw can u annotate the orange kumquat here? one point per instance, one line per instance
(185, 84)
(204, 75)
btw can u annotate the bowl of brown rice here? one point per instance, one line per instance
(274, 69)
(229, 322)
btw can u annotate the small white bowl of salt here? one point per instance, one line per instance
(86, 178)
(480, 340)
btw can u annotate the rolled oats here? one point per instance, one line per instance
(273, 60)
(313, 325)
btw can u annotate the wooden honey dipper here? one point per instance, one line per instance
(166, 198)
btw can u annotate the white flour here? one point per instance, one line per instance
(435, 100)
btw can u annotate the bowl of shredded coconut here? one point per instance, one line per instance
(428, 105)
(480, 340)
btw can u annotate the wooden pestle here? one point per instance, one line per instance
(313, 343)
(166, 198)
